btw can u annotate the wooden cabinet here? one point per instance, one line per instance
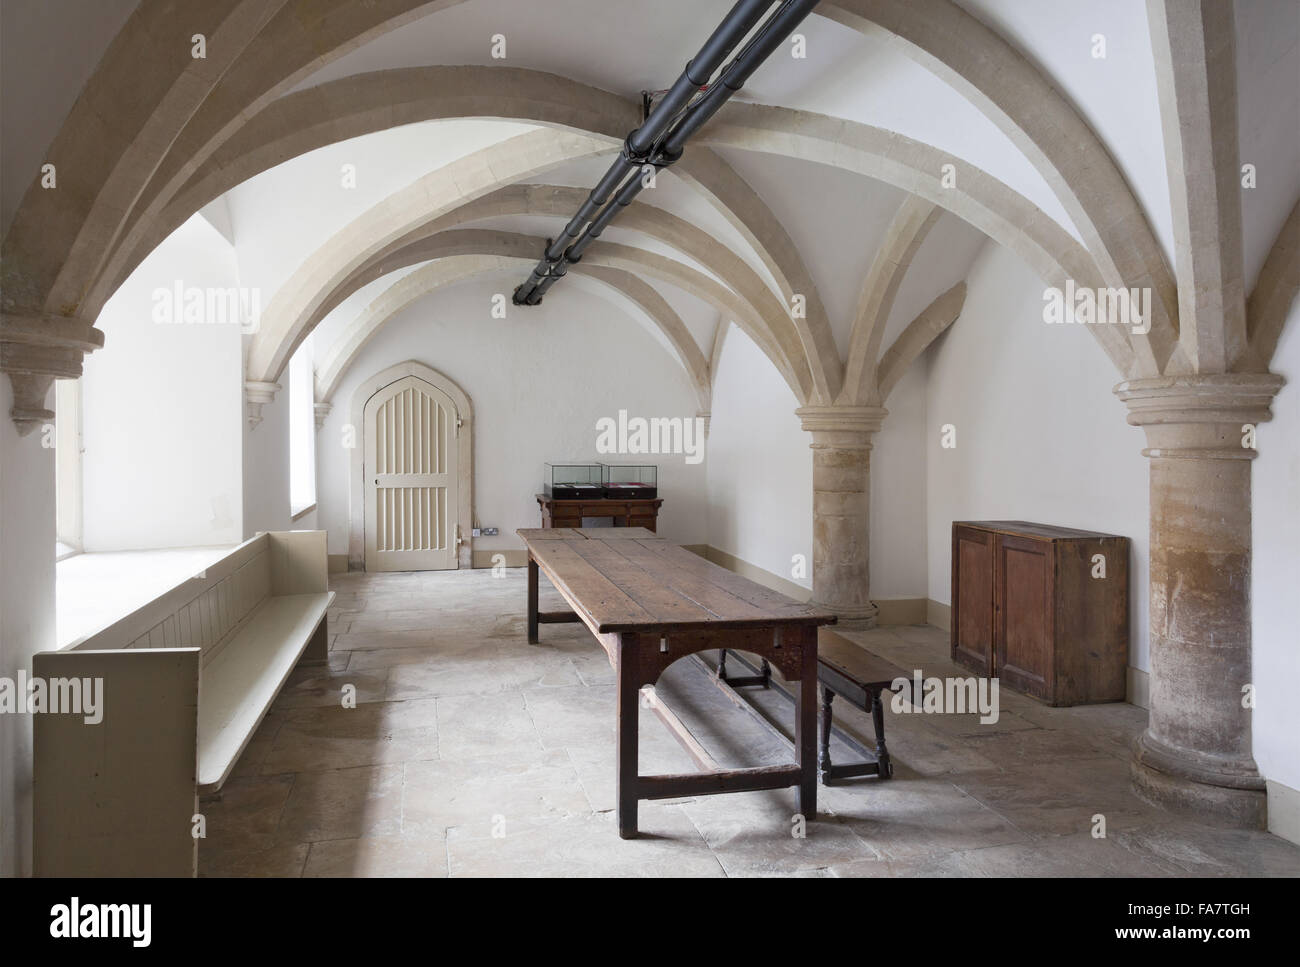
(626, 513)
(1042, 608)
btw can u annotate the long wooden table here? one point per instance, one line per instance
(650, 602)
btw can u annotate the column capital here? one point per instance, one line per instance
(322, 410)
(257, 393)
(842, 427)
(1200, 416)
(35, 350)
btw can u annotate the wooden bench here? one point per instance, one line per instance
(186, 680)
(849, 671)
(857, 676)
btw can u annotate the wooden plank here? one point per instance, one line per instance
(116, 797)
(609, 608)
(299, 563)
(1049, 532)
(774, 605)
(532, 600)
(662, 602)
(558, 617)
(711, 783)
(699, 755)
(586, 589)
(238, 686)
(855, 662)
(738, 700)
(805, 718)
(718, 601)
(618, 533)
(772, 602)
(547, 534)
(626, 752)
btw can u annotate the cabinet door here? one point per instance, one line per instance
(972, 598)
(1023, 619)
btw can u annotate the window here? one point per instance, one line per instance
(302, 430)
(67, 466)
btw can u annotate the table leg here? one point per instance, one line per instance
(878, 720)
(532, 600)
(827, 721)
(629, 700)
(805, 722)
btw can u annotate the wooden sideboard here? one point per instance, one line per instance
(1030, 607)
(626, 513)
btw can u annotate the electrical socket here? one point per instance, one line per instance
(487, 532)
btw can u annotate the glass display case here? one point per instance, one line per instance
(630, 481)
(574, 480)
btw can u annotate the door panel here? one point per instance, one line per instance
(1023, 622)
(972, 598)
(411, 478)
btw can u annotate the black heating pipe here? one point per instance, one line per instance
(659, 141)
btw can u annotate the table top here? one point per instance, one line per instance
(627, 579)
(579, 533)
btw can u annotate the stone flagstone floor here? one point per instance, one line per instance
(471, 753)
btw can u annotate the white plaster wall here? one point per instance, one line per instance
(1275, 572)
(1040, 436)
(1268, 114)
(898, 511)
(266, 467)
(760, 466)
(27, 623)
(302, 428)
(283, 215)
(1116, 94)
(161, 434)
(538, 381)
(760, 475)
(836, 228)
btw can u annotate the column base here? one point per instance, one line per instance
(1230, 797)
(863, 616)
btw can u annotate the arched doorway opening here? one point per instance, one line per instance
(411, 493)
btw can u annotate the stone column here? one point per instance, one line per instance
(1196, 752)
(841, 445)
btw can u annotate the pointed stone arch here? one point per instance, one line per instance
(1275, 291)
(1005, 86)
(460, 268)
(908, 229)
(611, 256)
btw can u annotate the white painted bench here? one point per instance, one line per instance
(187, 679)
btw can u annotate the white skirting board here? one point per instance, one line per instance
(1283, 811)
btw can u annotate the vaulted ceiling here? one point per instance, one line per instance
(342, 147)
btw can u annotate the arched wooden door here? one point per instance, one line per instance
(411, 477)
